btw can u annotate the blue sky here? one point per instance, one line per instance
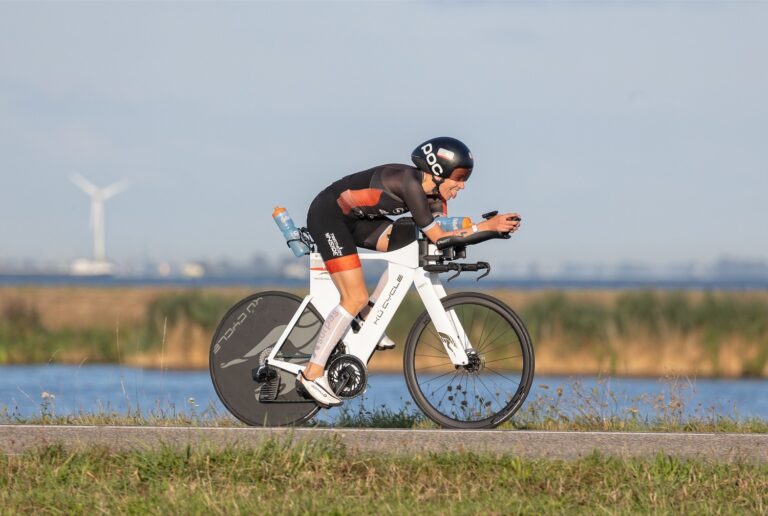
(619, 130)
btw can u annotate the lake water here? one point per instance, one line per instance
(63, 389)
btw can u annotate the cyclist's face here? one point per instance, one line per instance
(461, 174)
(450, 187)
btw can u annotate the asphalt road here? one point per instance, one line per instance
(15, 439)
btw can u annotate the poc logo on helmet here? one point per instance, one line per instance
(432, 159)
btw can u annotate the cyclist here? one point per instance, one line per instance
(353, 212)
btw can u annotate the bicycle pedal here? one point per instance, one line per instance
(269, 389)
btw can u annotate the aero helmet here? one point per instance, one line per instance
(441, 156)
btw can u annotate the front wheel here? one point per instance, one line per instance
(493, 386)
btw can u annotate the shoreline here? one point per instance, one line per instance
(396, 368)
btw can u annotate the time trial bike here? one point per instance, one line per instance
(468, 359)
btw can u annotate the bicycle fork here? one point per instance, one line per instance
(448, 326)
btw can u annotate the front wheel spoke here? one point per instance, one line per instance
(434, 347)
(450, 380)
(433, 366)
(431, 356)
(497, 338)
(499, 374)
(493, 396)
(438, 377)
(478, 412)
(446, 390)
(487, 351)
(465, 406)
(485, 323)
(500, 359)
(496, 324)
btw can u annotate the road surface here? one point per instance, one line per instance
(15, 439)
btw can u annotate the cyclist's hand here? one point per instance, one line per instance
(504, 223)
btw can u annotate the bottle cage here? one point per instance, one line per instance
(305, 238)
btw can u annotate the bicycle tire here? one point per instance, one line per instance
(454, 405)
(247, 332)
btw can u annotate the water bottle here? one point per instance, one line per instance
(452, 223)
(290, 231)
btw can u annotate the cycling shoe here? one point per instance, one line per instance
(385, 343)
(319, 390)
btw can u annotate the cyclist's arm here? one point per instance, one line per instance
(417, 203)
(499, 223)
(436, 232)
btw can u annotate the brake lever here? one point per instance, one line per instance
(490, 214)
(487, 267)
(458, 271)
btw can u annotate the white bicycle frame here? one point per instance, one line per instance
(403, 270)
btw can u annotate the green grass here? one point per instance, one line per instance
(324, 477)
(194, 306)
(580, 321)
(573, 406)
(24, 338)
(571, 321)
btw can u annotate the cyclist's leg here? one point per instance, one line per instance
(373, 235)
(351, 286)
(387, 234)
(336, 245)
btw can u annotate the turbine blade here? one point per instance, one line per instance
(84, 184)
(112, 190)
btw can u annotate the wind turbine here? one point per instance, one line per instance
(98, 196)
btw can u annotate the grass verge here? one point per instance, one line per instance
(323, 476)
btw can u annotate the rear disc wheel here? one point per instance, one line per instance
(241, 342)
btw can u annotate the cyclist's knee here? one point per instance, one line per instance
(355, 301)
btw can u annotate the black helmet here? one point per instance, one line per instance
(441, 156)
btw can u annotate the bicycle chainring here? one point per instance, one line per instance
(347, 376)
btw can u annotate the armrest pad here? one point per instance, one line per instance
(474, 238)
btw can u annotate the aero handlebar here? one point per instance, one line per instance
(474, 238)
